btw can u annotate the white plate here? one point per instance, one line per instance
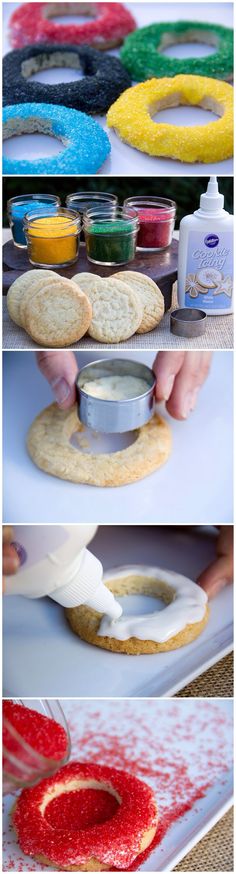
(164, 743)
(125, 160)
(42, 657)
(195, 485)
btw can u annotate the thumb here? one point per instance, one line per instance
(60, 369)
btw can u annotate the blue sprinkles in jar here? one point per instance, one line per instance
(17, 207)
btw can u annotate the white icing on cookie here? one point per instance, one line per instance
(188, 606)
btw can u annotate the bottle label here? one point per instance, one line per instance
(38, 541)
(209, 273)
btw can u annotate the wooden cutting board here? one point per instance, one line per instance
(160, 266)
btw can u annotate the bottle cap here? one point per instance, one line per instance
(86, 587)
(104, 602)
(86, 576)
(212, 200)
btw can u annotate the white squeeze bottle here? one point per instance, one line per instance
(55, 561)
(205, 255)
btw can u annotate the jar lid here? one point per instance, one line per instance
(188, 322)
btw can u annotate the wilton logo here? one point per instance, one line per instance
(211, 241)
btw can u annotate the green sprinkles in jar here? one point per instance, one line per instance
(111, 239)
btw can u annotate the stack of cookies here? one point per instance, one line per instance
(57, 312)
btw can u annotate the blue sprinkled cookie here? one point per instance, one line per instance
(86, 144)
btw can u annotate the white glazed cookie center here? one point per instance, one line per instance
(187, 605)
(115, 388)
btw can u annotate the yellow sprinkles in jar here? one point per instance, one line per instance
(53, 240)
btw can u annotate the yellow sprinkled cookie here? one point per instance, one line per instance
(131, 117)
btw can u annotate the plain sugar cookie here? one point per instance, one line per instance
(28, 280)
(58, 314)
(49, 446)
(117, 310)
(150, 296)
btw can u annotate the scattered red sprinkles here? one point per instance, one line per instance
(29, 24)
(116, 843)
(180, 748)
(156, 227)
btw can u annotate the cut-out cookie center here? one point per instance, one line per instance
(70, 13)
(92, 442)
(30, 137)
(173, 110)
(191, 44)
(81, 809)
(140, 605)
(187, 50)
(37, 145)
(52, 69)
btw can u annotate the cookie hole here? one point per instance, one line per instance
(185, 116)
(67, 13)
(81, 809)
(191, 44)
(94, 443)
(56, 76)
(52, 69)
(188, 50)
(140, 605)
(31, 146)
(70, 19)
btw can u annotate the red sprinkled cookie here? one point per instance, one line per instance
(86, 817)
(29, 24)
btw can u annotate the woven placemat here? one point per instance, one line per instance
(215, 851)
(219, 335)
(217, 682)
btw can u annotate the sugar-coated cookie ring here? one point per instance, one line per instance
(143, 58)
(31, 23)
(104, 77)
(116, 841)
(131, 117)
(184, 617)
(50, 448)
(86, 144)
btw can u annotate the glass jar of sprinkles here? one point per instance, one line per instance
(156, 221)
(18, 207)
(111, 237)
(29, 752)
(83, 200)
(52, 239)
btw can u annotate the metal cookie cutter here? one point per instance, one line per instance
(188, 322)
(115, 416)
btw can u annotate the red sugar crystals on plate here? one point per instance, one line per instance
(180, 748)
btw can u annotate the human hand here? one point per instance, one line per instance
(60, 369)
(10, 560)
(180, 375)
(220, 572)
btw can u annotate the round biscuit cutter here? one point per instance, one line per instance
(112, 417)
